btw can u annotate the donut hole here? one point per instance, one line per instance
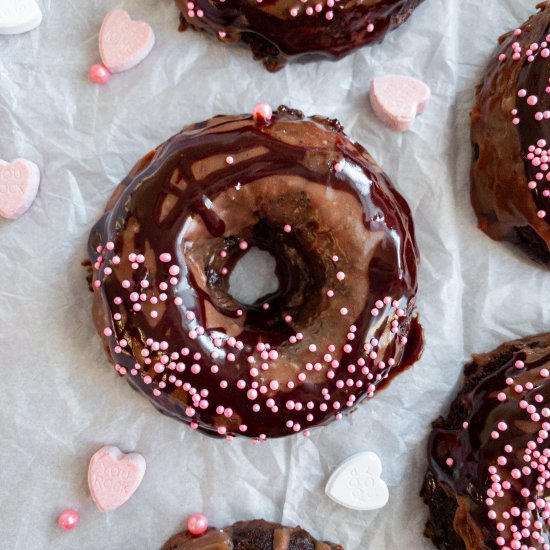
(253, 278)
(277, 276)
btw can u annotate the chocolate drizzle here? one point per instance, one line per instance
(250, 535)
(462, 456)
(185, 199)
(332, 29)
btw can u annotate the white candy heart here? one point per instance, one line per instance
(357, 484)
(19, 16)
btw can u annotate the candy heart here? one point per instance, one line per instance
(356, 483)
(124, 43)
(19, 181)
(18, 16)
(397, 100)
(114, 476)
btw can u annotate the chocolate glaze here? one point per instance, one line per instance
(505, 205)
(275, 36)
(186, 200)
(250, 535)
(457, 493)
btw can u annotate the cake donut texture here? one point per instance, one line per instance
(339, 326)
(487, 485)
(511, 140)
(280, 30)
(250, 535)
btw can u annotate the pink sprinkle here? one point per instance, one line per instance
(370, 27)
(340, 275)
(287, 228)
(68, 519)
(262, 112)
(252, 394)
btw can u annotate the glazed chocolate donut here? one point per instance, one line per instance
(250, 535)
(281, 30)
(487, 484)
(340, 324)
(511, 139)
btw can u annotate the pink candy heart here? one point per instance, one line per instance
(113, 477)
(124, 43)
(19, 181)
(397, 100)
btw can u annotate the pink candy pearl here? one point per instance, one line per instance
(197, 524)
(262, 112)
(99, 74)
(68, 519)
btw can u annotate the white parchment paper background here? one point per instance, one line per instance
(60, 400)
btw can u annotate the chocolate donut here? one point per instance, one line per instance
(511, 140)
(281, 30)
(250, 535)
(338, 327)
(487, 484)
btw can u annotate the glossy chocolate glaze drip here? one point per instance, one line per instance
(499, 387)
(503, 129)
(276, 36)
(250, 535)
(185, 199)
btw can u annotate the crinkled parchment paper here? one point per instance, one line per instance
(60, 400)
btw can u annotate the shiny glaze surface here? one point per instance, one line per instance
(257, 534)
(229, 368)
(535, 79)
(503, 130)
(331, 30)
(496, 390)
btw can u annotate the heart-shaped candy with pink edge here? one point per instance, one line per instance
(19, 182)
(113, 477)
(124, 43)
(397, 100)
(357, 484)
